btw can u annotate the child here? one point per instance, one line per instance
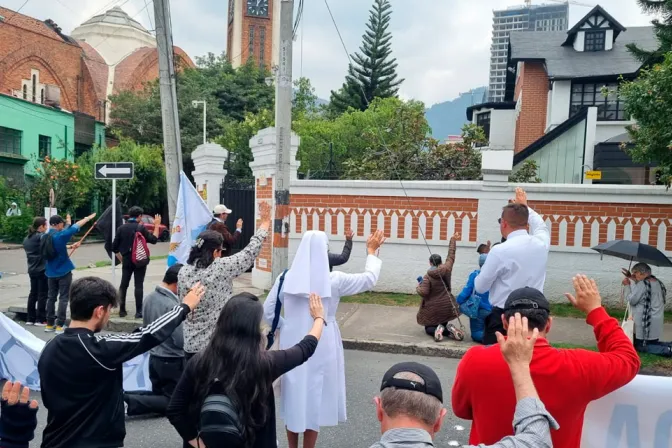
(477, 323)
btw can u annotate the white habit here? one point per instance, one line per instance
(313, 394)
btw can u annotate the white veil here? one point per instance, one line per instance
(309, 272)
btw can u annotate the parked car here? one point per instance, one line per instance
(148, 222)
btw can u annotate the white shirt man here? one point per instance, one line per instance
(518, 263)
(14, 210)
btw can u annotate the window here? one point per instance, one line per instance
(25, 92)
(34, 88)
(10, 141)
(44, 146)
(262, 43)
(594, 41)
(250, 49)
(603, 95)
(483, 120)
(42, 96)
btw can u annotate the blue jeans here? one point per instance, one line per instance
(477, 326)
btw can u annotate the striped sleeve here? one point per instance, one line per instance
(114, 349)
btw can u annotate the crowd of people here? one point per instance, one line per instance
(214, 370)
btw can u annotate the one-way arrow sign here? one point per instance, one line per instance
(111, 170)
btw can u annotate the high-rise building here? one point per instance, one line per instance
(519, 18)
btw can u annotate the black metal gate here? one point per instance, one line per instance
(238, 195)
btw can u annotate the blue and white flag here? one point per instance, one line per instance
(191, 218)
(20, 351)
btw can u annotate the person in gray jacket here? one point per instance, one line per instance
(410, 407)
(166, 361)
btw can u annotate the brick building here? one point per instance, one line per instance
(562, 107)
(253, 32)
(54, 87)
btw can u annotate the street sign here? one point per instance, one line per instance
(114, 170)
(594, 175)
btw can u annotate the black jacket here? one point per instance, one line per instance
(82, 382)
(36, 264)
(123, 239)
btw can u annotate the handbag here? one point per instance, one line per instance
(470, 306)
(628, 324)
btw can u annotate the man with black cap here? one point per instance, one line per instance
(567, 379)
(410, 407)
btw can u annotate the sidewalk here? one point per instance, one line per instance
(378, 328)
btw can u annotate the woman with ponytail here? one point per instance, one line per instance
(205, 264)
(37, 299)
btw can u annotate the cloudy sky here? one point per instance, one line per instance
(442, 46)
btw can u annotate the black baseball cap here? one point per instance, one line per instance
(56, 220)
(525, 299)
(432, 384)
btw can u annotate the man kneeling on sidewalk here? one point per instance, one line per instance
(166, 362)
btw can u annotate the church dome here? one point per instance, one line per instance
(115, 16)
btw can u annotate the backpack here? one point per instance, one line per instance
(220, 422)
(47, 248)
(139, 250)
(209, 226)
(276, 316)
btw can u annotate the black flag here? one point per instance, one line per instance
(104, 226)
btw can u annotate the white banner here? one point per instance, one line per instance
(20, 350)
(638, 415)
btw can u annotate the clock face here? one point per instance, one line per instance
(232, 6)
(257, 8)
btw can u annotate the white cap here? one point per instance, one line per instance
(14, 204)
(219, 209)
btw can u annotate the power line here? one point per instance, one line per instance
(385, 146)
(149, 16)
(17, 11)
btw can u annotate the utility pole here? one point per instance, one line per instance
(283, 126)
(171, 124)
(195, 104)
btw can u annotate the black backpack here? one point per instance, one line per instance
(220, 424)
(47, 248)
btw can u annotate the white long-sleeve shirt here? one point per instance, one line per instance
(518, 263)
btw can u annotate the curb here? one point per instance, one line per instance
(402, 348)
(20, 247)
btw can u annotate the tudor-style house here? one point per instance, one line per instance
(562, 107)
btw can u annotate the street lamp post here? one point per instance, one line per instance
(195, 104)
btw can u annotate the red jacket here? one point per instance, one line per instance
(566, 380)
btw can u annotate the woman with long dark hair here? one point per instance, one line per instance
(236, 364)
(39, 285)
(206, 265)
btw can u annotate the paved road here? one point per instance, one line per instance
(13, 262)
(364, 371)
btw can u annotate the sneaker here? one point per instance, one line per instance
(138, 315)
(49, 329)
(454, 333)
(123, 313)
(30, 323)
(438, 334)
(60, 330)
(40, 324)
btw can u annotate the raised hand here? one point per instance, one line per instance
(587, 296)
(375, 240)
(239, 224)
(457, 236)
(157, 220)
(13, 394)
(193, 298)
(521, 197)
(517, 348)
(349, 234)
(316, 307)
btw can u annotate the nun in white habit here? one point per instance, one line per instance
(313, 394)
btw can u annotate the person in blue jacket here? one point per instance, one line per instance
(477, 324)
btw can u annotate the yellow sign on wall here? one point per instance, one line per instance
(594, 175)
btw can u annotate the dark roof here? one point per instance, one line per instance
(550, 136)
(620, 138)
(567, 63)
(502, 105)
(617, 27)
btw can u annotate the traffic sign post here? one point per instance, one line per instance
(113, 171)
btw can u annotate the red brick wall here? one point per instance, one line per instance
(265, 193)
(60, 63)
(531, 122)
(258, 23)
(388, 206)
(636, 215)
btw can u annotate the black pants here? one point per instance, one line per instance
(431, 330)
(59, 288)
(164, 374)
(128, 270)
(37, 299)
(654, 347)
(493, 323)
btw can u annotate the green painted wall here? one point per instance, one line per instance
(35, 120)
(100, 135)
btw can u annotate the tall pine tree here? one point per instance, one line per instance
(373, 73)
(662, 29)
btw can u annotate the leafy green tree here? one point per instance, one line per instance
(373, 73)
(148, 186)
(649, 100)
(305, 100)
(526, 174)
(70, 182)
(663, 29)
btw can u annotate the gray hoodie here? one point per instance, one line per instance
(155, 305)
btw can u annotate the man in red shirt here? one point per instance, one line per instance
(567, 380)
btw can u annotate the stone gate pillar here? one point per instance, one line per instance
(496, 167)
(264, 149)
(209, 172)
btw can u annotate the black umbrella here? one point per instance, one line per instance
(634, 251)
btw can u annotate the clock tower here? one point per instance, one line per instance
(253, 32)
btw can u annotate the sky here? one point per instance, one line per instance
(442, 46)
